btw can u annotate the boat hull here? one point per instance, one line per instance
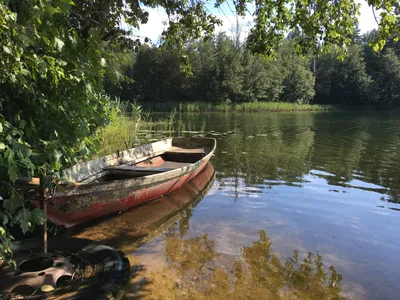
(72, 210)
(148, 221)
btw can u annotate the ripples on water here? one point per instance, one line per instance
(301, 205)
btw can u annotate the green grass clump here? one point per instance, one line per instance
(131, 127)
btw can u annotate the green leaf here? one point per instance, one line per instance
(50, 9)
(333, 34)
(1, 127)
(12, 166)
(61, 62)
(25, 72)
(13, 204)
(2, 146)
(6, 49)
(59, 44)
(4, 219)
(38, 216)
(24, 216)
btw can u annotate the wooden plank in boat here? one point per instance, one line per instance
(127, 168)
(175, 149)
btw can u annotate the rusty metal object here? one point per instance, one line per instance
(33, 271)
(91, 271)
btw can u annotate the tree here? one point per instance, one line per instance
(343, 82)
(298, 82)
(50, 99)
(228, 69)
(157, 75)
(384, 70)
(202, 83)
(387, 78)
(262, 79)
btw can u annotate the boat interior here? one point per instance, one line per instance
(165, 162)
(150, 159)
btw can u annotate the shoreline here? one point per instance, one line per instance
(204, 107)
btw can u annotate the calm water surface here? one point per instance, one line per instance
(301, 205)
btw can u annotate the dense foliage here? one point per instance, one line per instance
(221, 71)
(225, 72)
(362, 78)
(50, 97)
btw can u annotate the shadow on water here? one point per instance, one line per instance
(258, 274)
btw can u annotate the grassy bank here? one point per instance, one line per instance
(236, 107)
(131, 127)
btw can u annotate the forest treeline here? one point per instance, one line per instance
(223, 70)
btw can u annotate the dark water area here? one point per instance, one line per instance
(301, 205)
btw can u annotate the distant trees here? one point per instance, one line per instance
(343, 82)
(384, 69)
(364, 77)
(223, 70)
(220, 71)
(298, 80)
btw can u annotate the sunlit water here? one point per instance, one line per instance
(285, 185)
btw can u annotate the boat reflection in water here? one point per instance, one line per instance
(136, 226)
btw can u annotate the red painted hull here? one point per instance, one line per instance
(69, 211)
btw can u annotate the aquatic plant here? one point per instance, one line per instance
(239, 107)
(130, 127)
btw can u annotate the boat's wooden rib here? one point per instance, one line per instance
(119, 181)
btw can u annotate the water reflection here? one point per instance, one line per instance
(346, 150)
(258, 274)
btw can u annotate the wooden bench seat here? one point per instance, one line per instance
(127, 168)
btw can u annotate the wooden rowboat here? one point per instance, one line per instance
(128, 178)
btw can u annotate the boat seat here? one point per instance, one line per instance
(164, 167)
(181, 150)
(127, 168)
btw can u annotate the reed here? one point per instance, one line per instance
(130, 126)
(238, 107)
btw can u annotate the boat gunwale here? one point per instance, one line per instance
(86, 188)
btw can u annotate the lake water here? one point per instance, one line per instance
(301, 205)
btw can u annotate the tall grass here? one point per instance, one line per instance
(130, 126)
(281, 106)
(122, 131)
(238, 107)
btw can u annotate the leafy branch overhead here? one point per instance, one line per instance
(322, 23)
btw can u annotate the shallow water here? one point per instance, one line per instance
(301, 205)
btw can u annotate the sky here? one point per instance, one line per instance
(157, 17)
